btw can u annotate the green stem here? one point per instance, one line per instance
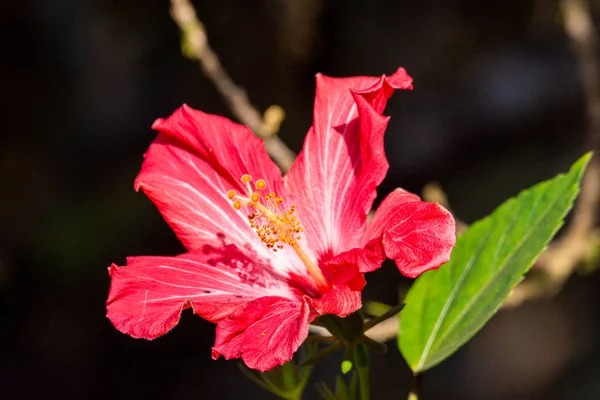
(374, 345)
(361, 357)
(388, 314)
(321, 354)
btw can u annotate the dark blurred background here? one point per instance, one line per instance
(498, 105)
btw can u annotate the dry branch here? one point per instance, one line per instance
(195, 45)
(563, 256)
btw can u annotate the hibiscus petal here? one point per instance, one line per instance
(417, 235)
(334, 179)
(189, 169)
(147, 296)
(265, 334)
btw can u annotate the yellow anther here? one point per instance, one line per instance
(275, 224)
(260, 184)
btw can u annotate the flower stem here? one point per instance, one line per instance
(374, 345)
(361, 358)
(321, 354)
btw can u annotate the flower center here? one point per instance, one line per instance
(274, 225)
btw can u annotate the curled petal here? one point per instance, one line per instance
(265, 334)
(417, 235)
(335, 176)
(147, 296)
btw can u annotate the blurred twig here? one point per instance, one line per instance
(563, 256)
(194, 43)
(299, 27)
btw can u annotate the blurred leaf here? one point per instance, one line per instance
(325, 392)
(341, 391)
(446, 307)
(353, 386)
(287, 381)
(253, 377)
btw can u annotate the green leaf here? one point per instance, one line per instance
(325, 392)
(446, 307)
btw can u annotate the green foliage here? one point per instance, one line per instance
(446, 307)
(343, 391)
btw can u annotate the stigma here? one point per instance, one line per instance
(275, 225)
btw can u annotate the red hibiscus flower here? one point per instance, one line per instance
(269, 254)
